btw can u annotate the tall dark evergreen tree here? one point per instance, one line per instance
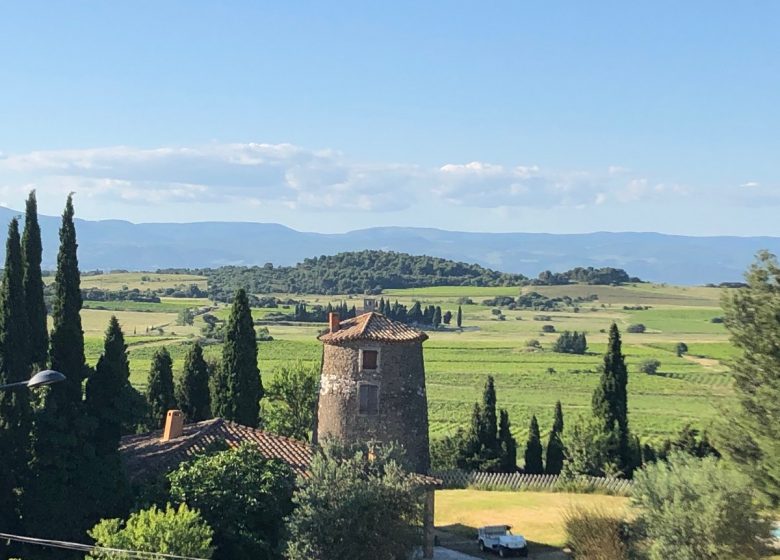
(192, 391)
(159, 389)
(105, 390)
(460, 317)
(489, 432)
(507, 443)
(533, 449)
(33, 286)
(105, 402)
(15, 413)
(555, 449)
(437, 317)
(239, 387)
(610, 402)
(62, 432)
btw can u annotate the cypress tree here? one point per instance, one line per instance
(105, 390)
(533, 449)
(33, 285)
(106, 404)
(460, 317)
(62, 449)
(159, 389)
(192, 391)
(437, 317)
(507, 443)
(15, 414)
(610, 401)
(239, 388)
(489, 429)
(555, 449)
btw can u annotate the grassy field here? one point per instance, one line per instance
(688, 389)
(538, 516)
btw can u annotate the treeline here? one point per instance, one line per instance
(361, 272)
(585, 275)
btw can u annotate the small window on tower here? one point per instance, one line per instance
(370, 359)
(369, 399)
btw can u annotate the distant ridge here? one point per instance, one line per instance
(116, 244)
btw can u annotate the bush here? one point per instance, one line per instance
(636, 328)
(242, 495)
(595, 534)
(179, 531)
(354, 507)
(548, 328)
(571, 343)
(716, 320)
(697, 509)
(649, 366)
(533, 343)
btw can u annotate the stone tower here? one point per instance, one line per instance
(372, 386)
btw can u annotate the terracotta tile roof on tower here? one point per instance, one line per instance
(147, 455)
(375, 327)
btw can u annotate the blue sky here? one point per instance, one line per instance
(484, 116)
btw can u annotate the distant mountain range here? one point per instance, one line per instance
(116, 244)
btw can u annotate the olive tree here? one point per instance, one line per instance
(697, 509)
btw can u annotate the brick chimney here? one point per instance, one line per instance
(333, 321)
(174, 425)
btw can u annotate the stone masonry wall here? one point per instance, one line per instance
(402, 407)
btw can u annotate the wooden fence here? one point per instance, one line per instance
(522, 481)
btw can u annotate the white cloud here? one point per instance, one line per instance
(298, 178)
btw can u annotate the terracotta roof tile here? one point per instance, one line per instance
(375, 327)
(146, 454)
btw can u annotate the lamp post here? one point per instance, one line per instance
(45, 377)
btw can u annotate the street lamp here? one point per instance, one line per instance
(46, 377)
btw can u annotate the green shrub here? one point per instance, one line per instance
(650, 366)
(636, 328)
(697, 509)
(179, 531)
(595, 534)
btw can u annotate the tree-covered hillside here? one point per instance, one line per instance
(355, 273)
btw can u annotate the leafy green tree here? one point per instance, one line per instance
(587, 449)
(353, 507)
(610, 401)
(459, 319)
(507, 443)
(681, 348)
(571, 342)
(240, 388)
(697, 509)
(750, 431)
(185, 317)
(290, 401)
(650, 366)
(33, 285)
(243, 496)
(159, 388)
(447, 317)
(15, 410)
(62, 450)
(533, 449)
(555, 450)
(179, 531)
(192, 390)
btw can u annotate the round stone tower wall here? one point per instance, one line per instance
(401, 405)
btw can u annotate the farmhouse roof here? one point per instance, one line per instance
(375, 327)
(147, 454)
